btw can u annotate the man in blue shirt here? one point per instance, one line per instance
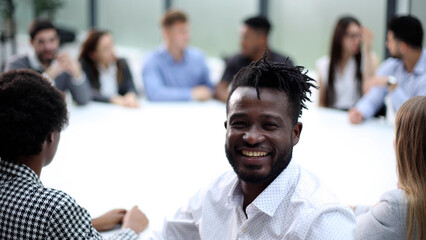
(175, 72)
(400, 77)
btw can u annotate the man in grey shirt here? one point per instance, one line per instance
(64, 72)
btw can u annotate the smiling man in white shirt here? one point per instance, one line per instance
(267, 196)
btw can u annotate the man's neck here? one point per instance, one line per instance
(177, 53)
(34, 162)
(251, 191)
(411, 58)
(36, 63)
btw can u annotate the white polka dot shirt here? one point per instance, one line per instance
(293, 206)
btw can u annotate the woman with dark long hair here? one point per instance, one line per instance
(110, 77)
(342, 73)
(401, 213)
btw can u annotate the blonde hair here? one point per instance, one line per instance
(410, 148)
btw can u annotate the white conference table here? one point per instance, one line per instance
(158, 156)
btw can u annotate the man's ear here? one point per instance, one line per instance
(50, 138)
(226, 124)
(403, 47)
(297, 130)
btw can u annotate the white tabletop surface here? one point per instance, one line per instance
(158, 156)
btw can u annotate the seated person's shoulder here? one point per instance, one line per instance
(236, 59)
(153, 58)
(55, 198)
(392, 62)
(17, 62)
(394, 201)
(220, 186)
(281, 58)
(310, 191)
(196, 53)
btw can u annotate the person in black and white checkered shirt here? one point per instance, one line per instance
(32, 115)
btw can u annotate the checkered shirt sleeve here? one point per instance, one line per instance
(28, 210)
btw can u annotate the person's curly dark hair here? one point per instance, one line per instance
(30, 109)
(290, 80)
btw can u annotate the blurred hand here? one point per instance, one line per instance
(131, 100)
(367, 39)
(374, 81)
(128, 100)
(68, 65)
(108, 220)
(201, 93)
(135, 219)
(355, 116)
(119, 100)
(54, 70)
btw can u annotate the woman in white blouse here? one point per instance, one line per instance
(342, 73)
(110, 77)
(401, 213)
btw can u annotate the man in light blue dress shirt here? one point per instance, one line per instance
(400, 77)
(175, 72)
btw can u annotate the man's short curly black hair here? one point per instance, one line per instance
(407, 29)
(290, 80)
(30, 109)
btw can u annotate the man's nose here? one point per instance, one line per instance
(253, 136)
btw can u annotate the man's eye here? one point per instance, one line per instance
(271, 125)
(238, 124)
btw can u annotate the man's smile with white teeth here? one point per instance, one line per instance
(254, 153)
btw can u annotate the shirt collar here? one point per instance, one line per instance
(111, 67)
(269, 200)
(19, 170)
(420, 67)
(169, 57)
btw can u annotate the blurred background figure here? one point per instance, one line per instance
(253, 43)
(176, 72)
(401, 213)
(351, 63)
(109, 77)
(64, 72)
(400, 77)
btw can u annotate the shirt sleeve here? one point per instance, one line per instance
(333, 223)
(399, 96)
(205, 76)
(371, 102)
(184, 224)
(384, 221)
(156, 89)
(80, 91)
(14, 65)
(70, 221)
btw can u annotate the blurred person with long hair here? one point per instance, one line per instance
(351, 62)
(401, 213)
(110, 77)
